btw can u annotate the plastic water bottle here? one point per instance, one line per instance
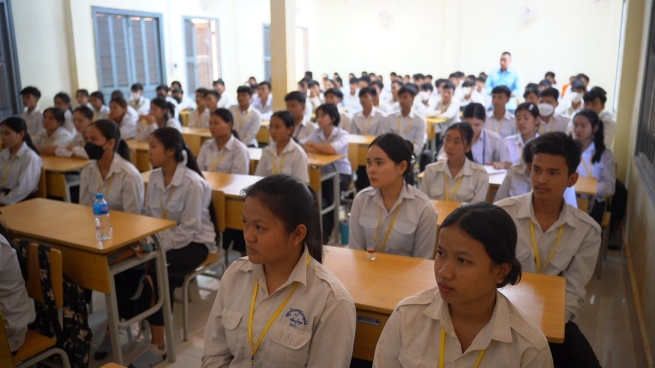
(370, 253)
(101, 213)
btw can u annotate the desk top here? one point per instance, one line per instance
(360, 139)
(230, 184)
(137, 145)
(72, 225)
(436, 120)
(265, 123)
(381, 284)
(62, 164)
(203, 132)
(313, 159)
(586, 185)
(497, 179)
(255, 153)
(444, 209)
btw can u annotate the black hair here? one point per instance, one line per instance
(545, 82)
(595, 94)
(120, 101)
(339, 81)
(163, 87)
(84, 92)
(393, 74)
(365, 78)
(531, 88)
(201, 91)
(295, 96)
(286, 118)
(308, 74)
(313, 83)
(397, 82)
(116, 93)
(179, 85)
(550, 74)
(529, 107)
(475, 110)
(304, 83)
(550, 92)
(460, 74)
(334, 92)
(448, 85)
(408, 89)
(214, 93)
(244, 89)
(294, 203)
(502, 89)
(65, 98)
(452, 75)
(582, 76)
(353, 81)
(418, 76)
(439, 81)
(378, 83)
(166, 105)
(137, 87)
(483, 75)
(99, 95)
(467, 134)
(398, 149)
(481, 79)
(559, 144)
(506, 53)
(428, 76)
(265, 83)
(367, 91)
(85, 111)
(57, 113)
(599, 135)
(29, 90)
(494, 228)
(227, 117)
(468, 83)
(470, 77)
(18, 125)
(578, 84)
(330, 110)
(599, 90)
(176, 90)
(427, 87)
(110, 130)
(219, 81)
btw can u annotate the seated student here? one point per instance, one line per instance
(381, 104)
(425, 94)
(368, 120)
(550, 121)
(573, 101)
(517, 180)
(199, 118)
(329, 139)
(100, 110)
(20, 163)
(469, 181)
(212, 99)
(471, 322)
(545, 83)
(110, 170)
(82, 118)
(480, 94)
(15, 304)
(225, 153)
(467, 93)
(316, 97)
(335, 97)
(550, 76)
(597, 161)
(405, 122)
(54, 134)
(531, 94)
(595, 100)
(392, 216)
(82, 98)
(246, 117)
(264, 103)
(137, 101)
(448, 107)
(500, 120)
(32, 114)
(184, 103)
(351, 99)
(281, 228)
(283, 155)
(303, 127)
(63, 103)
(161, 115)
(224, 99)
(303, 87)
(163, 92)
(124, 116)
(557, 239)
(527, 124)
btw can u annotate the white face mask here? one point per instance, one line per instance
(546, 109)
(467, 90)
(576, 97)
(136, 95)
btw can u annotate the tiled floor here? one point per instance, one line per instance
(603, 319)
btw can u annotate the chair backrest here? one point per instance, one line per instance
(41, 191)
(6, 359)
(218, 199)
(34, 275)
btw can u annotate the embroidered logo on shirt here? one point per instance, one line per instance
(296, 317)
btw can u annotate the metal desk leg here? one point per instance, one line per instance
(162, 278)
(113, 321)
(337, 196)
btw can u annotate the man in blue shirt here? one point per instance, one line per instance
(506, 76)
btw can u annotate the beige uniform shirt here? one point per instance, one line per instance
(123, 187)
(199, 120)
(556, 123)
(412, 338)
(34, 121)
(232, 159)
(15, 304)
(367, 125)
(78, 142)
(316, 328)
(247, 124)
(473, 187)
(504, 127)
(303, 130)
(292, 161)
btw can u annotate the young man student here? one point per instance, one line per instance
(225, 100)
(316, 97)
(199, 118)
(366, 122)
(378, 102)
(351, 95)
(468, 87)
(500, 120)
(573, 101)
(82, 98)
(406, 122)
(334, 96)
(550, 121)
(137, 101)
(264, 103)
(557, 239)
(32, 114)
(246, 118)
(303, 87)
(595, 100)
(480, 94)
(303, 126)
(446, 108)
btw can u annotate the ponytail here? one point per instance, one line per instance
(18, 125)
(227, 117)
(599, 135)
(110, 130)
(171, 110)
(57, 114)
(163, 104)
(123, 150)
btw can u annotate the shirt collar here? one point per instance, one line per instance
(299, 273)
(591, 149)
(519, 141)
(465, 171)
(177, 177)
(321, 136)
(526, 210)
(404, 194)
(21, 151)
(410, 115)
(228, 146)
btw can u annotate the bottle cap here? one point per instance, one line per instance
(100, 196)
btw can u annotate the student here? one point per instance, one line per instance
(531, 94)
(392, 216)
(225, 152)
(367, 121)
(457, 178)
(335, 97)
(161, 115)
(124, 116)
(246, 117)
(100, 110)
(199, 118)
(351, 99)
(32, 114)
(224, 99)
(573, 101)
(550, 76)
(303, 87)
(500, 120)
(82, 98)
(405, 122)
(20, 163)
(54, 134)
(381, 104)
(264, 103)
(63, 103)
(448, 107)
(163, 91)
(597, 161)
(283, 155)
(329, 139)
(545, 83)
(184, 103)
(527, 124)
(282, 285)
(303, 126)
(425, 94)
(137, 101)
(488, 147)
(465, 321)
(82, 118)
(212, 99)
(316, 97)
(566, 239)
(110, 170)
(480, 94)
(467, 94)
(550, 121)
(595, 100)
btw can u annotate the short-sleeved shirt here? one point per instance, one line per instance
(410, 127)
(232, 159)
(291, 161)
(338, 139)
(367, 125)
(504, 127)
(247, 124)
(20, 174)
(604, 170)
(473, 186)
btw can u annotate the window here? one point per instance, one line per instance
(301, 52)
(9, 82)
(267, 52)
(202, 53)
(128, 50)
(645, 150)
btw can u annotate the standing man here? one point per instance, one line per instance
(506, 76)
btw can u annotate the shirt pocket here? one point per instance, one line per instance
(407, 359)
(561, 261)
(231, 320)
(289, 347)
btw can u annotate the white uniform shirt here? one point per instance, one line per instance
(489, 148)
(21, 174)
(128, 124)
(315, 329)
(303, 130)
(142, 105)
(247, 124)
(517, 183)
(265, 108)
(338, 139)
(293, 160)
(143, 129)
(68, 122)
(411, 337)
(413, 233)
(344, 120)
(603, 170)
(123, 187)
(351, 101)
(410, 127)
(15, 304)
(609, 128)
(481, 98)
(225, 101)
(186, 104)
(473, 187)
(59, 137)
(575, 258)
(515, 144)
(186, 199)
(77, 142)
(103, 113)
(199, 119)
(367, 125)
(232, 159)
(309, 109)
(451, 114)
(556, 123)
(34, 121)
(504, 127)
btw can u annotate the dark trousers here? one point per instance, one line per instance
(575, 351)
(234, 236)
(618, 206)
(362, 181)
(327, 198)
(597, 211)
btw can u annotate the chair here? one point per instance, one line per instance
(37, 347)
(604, 243)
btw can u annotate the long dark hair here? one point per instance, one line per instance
(227, 117)
(295, 203)
(467, 134)
(57, 113)
(475, 110)
(65, 98)
(398, 149)
(599, 135)
(165, 105)
(18, 125)
(110, 130)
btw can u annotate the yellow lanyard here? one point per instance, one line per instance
(409, 126)
(241, 120)
(550, 129)
(215, 163)
(500, 124)
(270, 321)
(536, 249)
(590, 173)
(448, 195)
(377, 228)
(442, 351)
(100, 185)
(278, 169)
(366, 127)
(5, 170)
(161, 205)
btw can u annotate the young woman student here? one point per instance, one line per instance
(82, 117)
(162, 114)
(597, 161)
(225, 153)
(392, 216)
(63, 103)
(527, 123)
(20, 163)
(54, 134)
(283, 155)
(465, 321)
(100, 110)
(124, 116)
(457, 178)
(488, 147)
(280, 307)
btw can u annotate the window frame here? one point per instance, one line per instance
(12, 56)
(218, 45)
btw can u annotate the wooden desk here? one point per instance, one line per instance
(378, 286)
(358, 148)
(139, 154)
(444, 209)
(184, 117)
(431, 126)
(194, 138)
(263, 136)
(85, 259)
(56, 169)
(586, 186)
